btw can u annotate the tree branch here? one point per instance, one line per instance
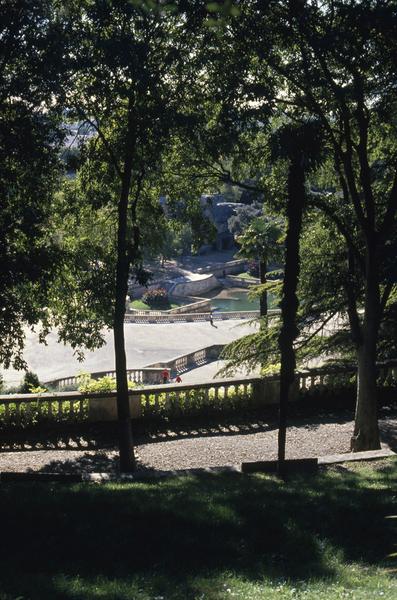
(101, 135)
(352, 312)
(312, 335)
(365, 176)
(343, 230)
(391, 211)
(385, 297)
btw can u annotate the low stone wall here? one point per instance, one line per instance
(241, 282)
(183, 363)
(194, 287)
(105, 409)
(151, 374)
(162, 317)
(140, 376)
(202, 305)
(224, 269)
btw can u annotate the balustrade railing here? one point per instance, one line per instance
(180, 400)
(143, 317)
(25, 410)
(180, 364)
(144, 375)
(150, 374)
(172, 400)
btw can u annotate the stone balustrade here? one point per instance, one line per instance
(172, 400)
(150, 374)
(227, 268)
(144, 375)
(22, 410)
(161, 317)
(183, 363)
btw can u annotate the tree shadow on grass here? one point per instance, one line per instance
(165, 535)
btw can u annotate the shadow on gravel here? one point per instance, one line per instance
(102, 438)
(104, 435)
(97, 462)
(388, 427)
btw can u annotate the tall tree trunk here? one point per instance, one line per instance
(126, 445)
(289, 303)
(263, 298)
(366, 430)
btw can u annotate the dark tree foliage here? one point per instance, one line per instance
(29, 137)
(131, 77)
(335, 62)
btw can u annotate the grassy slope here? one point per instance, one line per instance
(139, 305)
(246, 275)
(211, 537)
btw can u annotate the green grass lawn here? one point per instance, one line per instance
(139, 305)
(246, 276)
(214, 537)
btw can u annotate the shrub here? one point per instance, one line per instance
(189, 403)
(38, 390)
(29, 381)
(156, 298)
(103, 384)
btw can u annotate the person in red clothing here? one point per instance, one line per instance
(178, 379)
(165, 375)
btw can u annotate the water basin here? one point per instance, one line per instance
(234, 299)
(231, 299)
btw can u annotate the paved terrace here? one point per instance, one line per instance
(145, 344)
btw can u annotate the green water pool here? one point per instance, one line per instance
(233, 299)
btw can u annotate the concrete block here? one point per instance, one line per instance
(105, 409)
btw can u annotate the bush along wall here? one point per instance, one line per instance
(156, 298)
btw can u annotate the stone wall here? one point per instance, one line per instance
(194, 287)
(201, 305)
(224, 269)
(241, 282)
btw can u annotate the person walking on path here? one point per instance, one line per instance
(165, 375)
(178, 379)
(212, 320)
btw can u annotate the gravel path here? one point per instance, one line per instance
(214, 445)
